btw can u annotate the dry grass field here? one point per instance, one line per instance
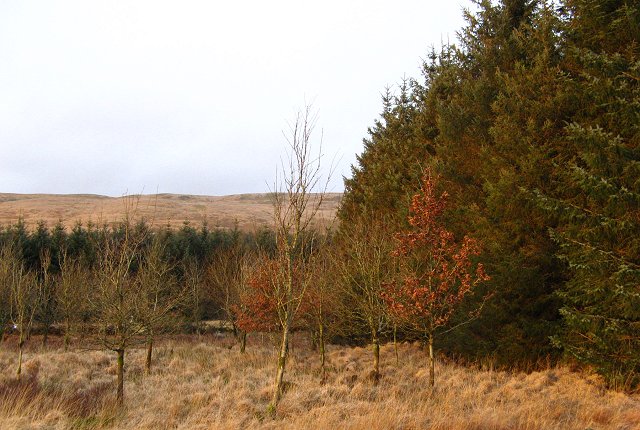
(250, 210)
(205, 383)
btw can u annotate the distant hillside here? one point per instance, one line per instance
(250, 210)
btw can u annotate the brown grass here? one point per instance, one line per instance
(202, 383)
(250, 210)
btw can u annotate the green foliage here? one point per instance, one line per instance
(481, 120)
(181, 248)
(598, 211)
(533, 122)
(390, 167)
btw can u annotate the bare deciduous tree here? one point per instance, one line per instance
(71, 294)
(160, 295)
(194, 284)
(24, 297)
(297, 196)
(46, 312)
(365, 264)
(5, 296)
(116, 297)
(323, 301)
(229, 274)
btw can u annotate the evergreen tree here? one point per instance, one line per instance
(388, 170)
(599, 223)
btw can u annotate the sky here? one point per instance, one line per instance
(192, 97)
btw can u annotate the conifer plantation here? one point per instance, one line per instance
(482, 270)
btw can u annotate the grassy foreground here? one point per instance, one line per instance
(202, 383)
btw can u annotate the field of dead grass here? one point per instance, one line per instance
(205, 383)
(249, 210)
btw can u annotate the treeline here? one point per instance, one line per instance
(198, 243)
(44, 249)
(533, 122)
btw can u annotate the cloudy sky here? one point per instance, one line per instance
(191, 96)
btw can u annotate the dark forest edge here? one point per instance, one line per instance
(533, 122)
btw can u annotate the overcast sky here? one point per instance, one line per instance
(191, 97)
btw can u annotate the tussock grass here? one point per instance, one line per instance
(205, 383)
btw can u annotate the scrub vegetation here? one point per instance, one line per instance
(203, 383)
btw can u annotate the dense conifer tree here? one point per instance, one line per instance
(599, 224)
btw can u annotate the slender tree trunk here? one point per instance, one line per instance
(290, 345)
(147, 368)
(20, 346)
(196, 325)
(243, 341)
(314, 339)
(432, 368)
(375, 344)
(395, 343)
(45, 337)
(321, 344)
(120, 388)
(234, 328)
(2, 333)
(282, 361)
(67, 330)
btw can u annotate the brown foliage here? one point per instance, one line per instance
(437, 272)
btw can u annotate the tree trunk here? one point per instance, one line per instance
(313, 337)
(290, 345)
(282, 361)
(45, 337)
(234, 328)
(432, 369)
(2, 333)
(375, 343)
(20, 345)
(243, 341)
(66, 336)
(120, 388)
(147, 368)
(321, 345)
(395, 343)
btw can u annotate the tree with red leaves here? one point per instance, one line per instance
(436, 271)
(260, 303)
(257, 307)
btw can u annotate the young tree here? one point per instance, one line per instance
(257, 308)
(322, 305)
(436, 271)
(229, 273)
(24, 299)
(160, 294)
(46, 312)
(117, 298)
(5, 297)
(296, 201)
(194, 284)
(365, 265)
(71, 293)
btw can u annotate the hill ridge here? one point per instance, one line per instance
(249, 210)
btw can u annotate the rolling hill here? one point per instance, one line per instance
(248, 210)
